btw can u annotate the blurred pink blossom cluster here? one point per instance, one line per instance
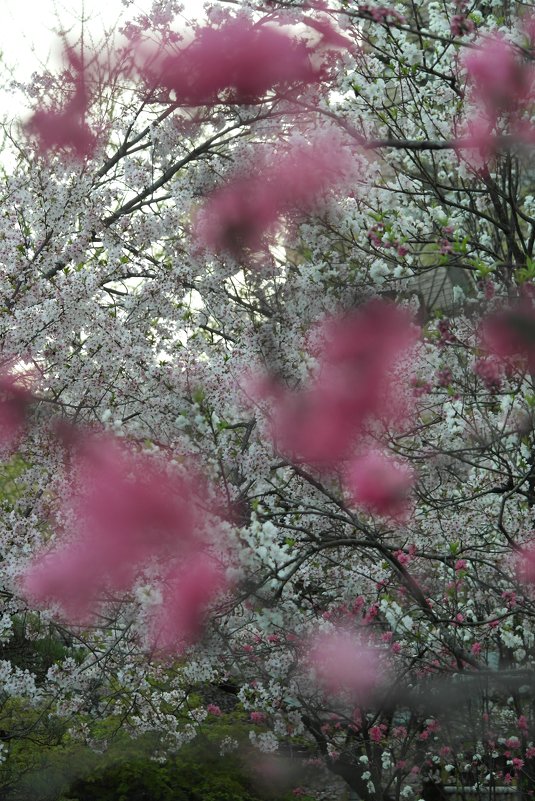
(461, 23)
(15, 401)
(66, 127)
(526, 563)
(235, 62)
(381, 484)
(124, 512)
(501, 85)
(509, 336)
(326, 423)
(341, 663)
(244, 59)
(382, 14)
(239, 215)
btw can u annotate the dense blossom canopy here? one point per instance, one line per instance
(267, 399)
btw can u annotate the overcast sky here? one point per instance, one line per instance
(27, 36)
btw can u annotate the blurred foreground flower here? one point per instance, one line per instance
(342, 664)
(380, 484)
(65, 127)
(501, 85)
(125, 512)
(191, 586)
(509, 335)
(525, 563)
(239, 215)
(15, 401)
(235, 62)
(243, 59)
(354, 386)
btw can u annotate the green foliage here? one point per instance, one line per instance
(34, 653)
(57, 769)
(11, 473)
(526, 274)
(197, 773)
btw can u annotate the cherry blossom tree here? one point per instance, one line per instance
(267, 391)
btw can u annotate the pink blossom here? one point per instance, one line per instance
(522, 723)
(257, 717)
(510, 598)
(352, 387)
(65, 128)
(213, 709)
(526, 563)
(123, 510)
(356, 719)
(239, 216)
(498, 77)
(512, 742)
(15, 400)
(341, 663)
(444, 378)
(377, 733)
(446, 335)
(380, 13)
(191, 587)
(402, 557)
(476, 141)
(461, 564)
(501, 84)
(476, 648)
(510, 334)
(243, 59)
(490, 371)
(461, 25)
(371, 614)
(58, 130)
(380, 484)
